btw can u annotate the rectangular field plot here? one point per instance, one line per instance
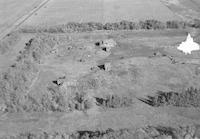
(12, 10)
(63, 11)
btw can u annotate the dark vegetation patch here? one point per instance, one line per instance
(53, 99)
(7, 44)
(114, 101)
(14, 84)
(123, 25)
(149, 132)
(56, 100)
(187, 98)
(195, 23)
(79, 102)
(108, 134)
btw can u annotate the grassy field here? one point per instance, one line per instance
(55, 84)
(63, 11)
(11, 10)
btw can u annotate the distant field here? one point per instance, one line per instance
(63, 11)
(191, 4)
(11, 10)
(186, 9)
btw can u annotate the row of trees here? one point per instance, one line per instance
(123, 25)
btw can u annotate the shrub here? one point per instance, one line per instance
(151, 24)
(78, 101)
(176, 24)
(195, 23)
(188, 98)
(109, 26)
(114, 101)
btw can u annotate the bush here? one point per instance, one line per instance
(151, 24)
(176, 24)
(188, 98)
(195, 23)
(114, 101)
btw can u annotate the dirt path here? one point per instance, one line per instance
(23, 19)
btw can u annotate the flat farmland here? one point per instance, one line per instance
(63, 11)
(12, 10)
(186, 9)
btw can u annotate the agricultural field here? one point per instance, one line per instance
(63, 11)
(12, 10)
(103, 69)
(185, 9)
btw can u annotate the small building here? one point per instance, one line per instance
(105, 66)
(106, 45)
(59, 81)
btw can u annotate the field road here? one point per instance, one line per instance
(22, 19)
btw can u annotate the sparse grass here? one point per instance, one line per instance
(7, 44)
(187, 98)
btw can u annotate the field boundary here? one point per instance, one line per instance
(22, 19)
